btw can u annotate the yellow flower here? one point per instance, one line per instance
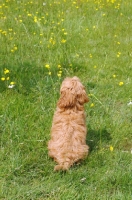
(35, 19)
(59, 75)
(59, 66)
(47, 66)
(7, 78)
(15, 48)
(90, 95)
(118, 54)
(92, 105)
(111, 148)
(3, 78)
(114, 76)
(52, 41)
(6, 71)
(12, 83)
(121, 83)
(63, 41)
(49, 73)
(90, 55)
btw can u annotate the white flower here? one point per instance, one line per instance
(130, 103)
(11, 86)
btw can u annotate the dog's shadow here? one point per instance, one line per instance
(97, 137)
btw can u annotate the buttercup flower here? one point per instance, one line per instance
(90, 55)
(59, 75)
(121, 83)
(12, 83)
(111, 148)
(6, 71)
(114, 76)
(59, 66)
(47, 66)
(3, 78)
(92, 105)
(63, 41)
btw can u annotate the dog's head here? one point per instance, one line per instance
(72, 92)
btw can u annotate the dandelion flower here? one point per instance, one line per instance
(49, 73)
(114, 76)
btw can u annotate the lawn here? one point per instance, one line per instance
(42, 42)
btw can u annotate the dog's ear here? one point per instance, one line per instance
(67, 98)
(82, 96)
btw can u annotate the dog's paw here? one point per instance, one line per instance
(61, 167)
(58, 167)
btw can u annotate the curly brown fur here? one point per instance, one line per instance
(68, 133)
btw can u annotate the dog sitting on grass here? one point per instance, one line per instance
(68, 133)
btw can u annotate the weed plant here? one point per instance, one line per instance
(42, 42)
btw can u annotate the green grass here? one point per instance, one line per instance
(92, 40)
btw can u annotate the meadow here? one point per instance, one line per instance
(41, 43)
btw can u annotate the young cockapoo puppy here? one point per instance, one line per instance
(68, 133)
